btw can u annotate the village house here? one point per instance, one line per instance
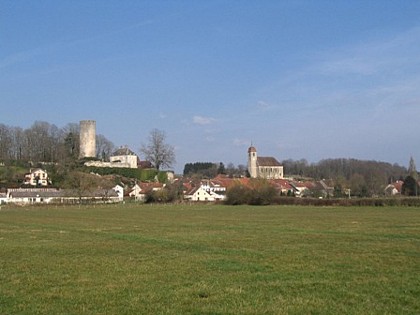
(200, 193)
(282, 186)
(37, 177)
(208, 190)
(300, 189)
(140, 190)
(120, 192)
(394, 188)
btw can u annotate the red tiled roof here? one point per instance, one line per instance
(145, 187)
(281, 183)
(398, 185)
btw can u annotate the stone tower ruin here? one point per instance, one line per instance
(87, 139)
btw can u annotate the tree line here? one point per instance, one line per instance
(363, 178)
(211, 170)
(46, 142)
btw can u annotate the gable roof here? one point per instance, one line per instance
(123, 151)
(192, 190)
(267, 161)
(142, 188)
(281, 184)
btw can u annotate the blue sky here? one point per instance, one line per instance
(298, 79)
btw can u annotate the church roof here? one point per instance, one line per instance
(267, 161)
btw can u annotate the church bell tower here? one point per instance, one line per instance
(252, 162)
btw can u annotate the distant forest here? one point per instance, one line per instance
(363, 178)
(347, 169)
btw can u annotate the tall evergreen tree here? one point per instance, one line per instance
(412, 171)
(410, 187)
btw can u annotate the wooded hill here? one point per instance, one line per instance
(345, 169)
(363, 178)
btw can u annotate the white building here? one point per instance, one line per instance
(207, 191)
(120, 192)
(124, 156)
(37, 177)
(139, 191)
(33, 195)
(24, 196)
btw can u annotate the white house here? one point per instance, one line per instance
(394, 188)
(207, 191)
(300, 189)
(140, 190)
(120, 192)
(37, 177)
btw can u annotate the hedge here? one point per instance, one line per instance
(140, 174)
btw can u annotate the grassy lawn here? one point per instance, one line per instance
(209, 259)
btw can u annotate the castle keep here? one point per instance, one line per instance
(87, 139)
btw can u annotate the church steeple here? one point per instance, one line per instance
(252, 162)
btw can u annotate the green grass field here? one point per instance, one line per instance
(209, 259)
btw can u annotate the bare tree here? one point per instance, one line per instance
(18, 139)
(104, 147)
(70, 141)
(41, 141)
(158, 151)
(5, 142)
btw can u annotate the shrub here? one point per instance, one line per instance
(238, 195)
(260, 193)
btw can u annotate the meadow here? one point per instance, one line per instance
(209, 259)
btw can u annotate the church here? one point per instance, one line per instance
(263, 167)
